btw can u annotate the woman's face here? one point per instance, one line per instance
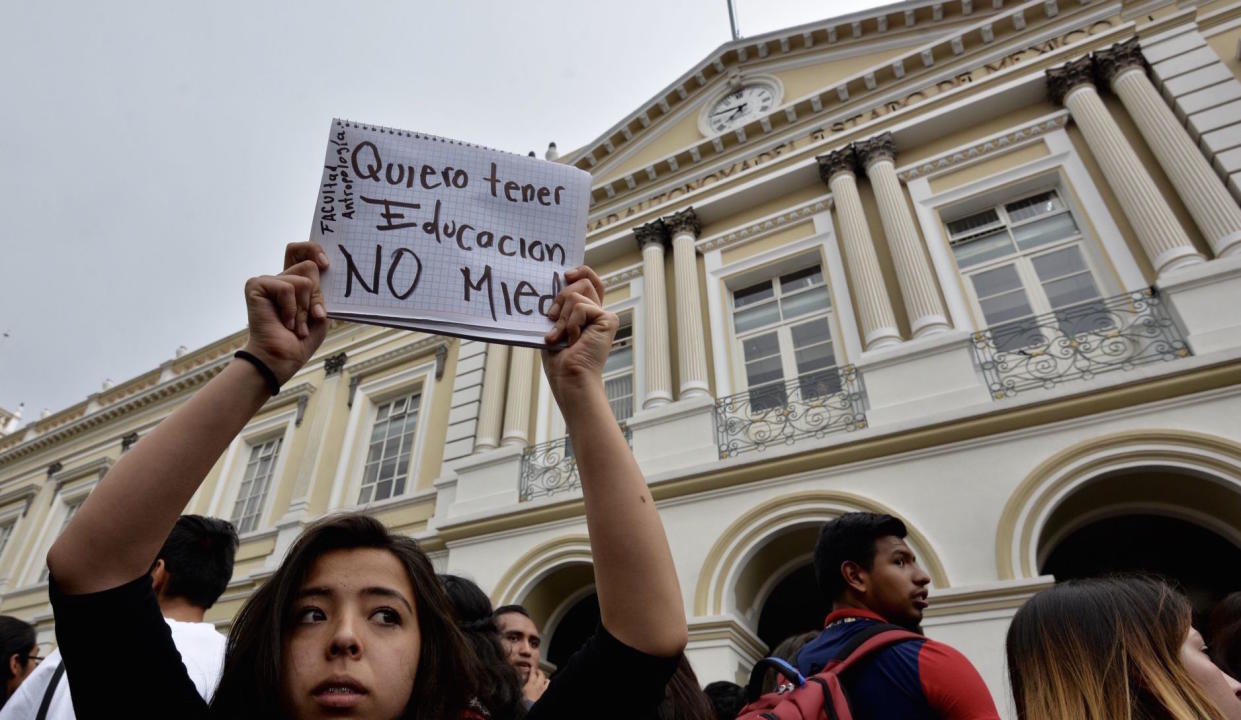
(352, 650)
(1221, 689)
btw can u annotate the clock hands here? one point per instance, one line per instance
(732, 111)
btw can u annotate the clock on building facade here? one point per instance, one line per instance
(742, 102)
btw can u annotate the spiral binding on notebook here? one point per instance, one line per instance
(420, 136)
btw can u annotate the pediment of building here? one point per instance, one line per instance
(829, 74)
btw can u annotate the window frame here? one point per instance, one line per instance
(232, 472)
(772, 272)
(271, 479)
(378, 404)
(1060, 164)
(631, 369)
(550, 424)
(1023, 260)
(371, 392)
(72, 486)
(11, 517)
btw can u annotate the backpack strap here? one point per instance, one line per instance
(51, 690)
(754, 688)
(862, 644)
(861, 637)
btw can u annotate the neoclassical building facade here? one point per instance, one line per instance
(975, 263)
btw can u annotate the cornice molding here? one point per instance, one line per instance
(164, 390)
(1010, 140)
(992, 32)
(848, 31)
(299, 393)
(366, 367)
(766, 226)
(437, 344)
(23, 492)
(622, 277)
(98, 467)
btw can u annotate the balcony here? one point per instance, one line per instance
(1078, 343)
(811, 406)
(550, 469)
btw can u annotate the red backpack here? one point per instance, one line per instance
(821, 696)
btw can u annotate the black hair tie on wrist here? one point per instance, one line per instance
(272, 383)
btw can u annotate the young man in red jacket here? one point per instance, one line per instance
(869, 575)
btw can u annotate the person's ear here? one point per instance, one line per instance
(15, 666)
(159, 576)
(855, 576)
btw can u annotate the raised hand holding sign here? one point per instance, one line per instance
(436, 235)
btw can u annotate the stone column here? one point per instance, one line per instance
(913, 272)
(652, 238)
(1209, 202)
(1161, 236)
(520, 392)
(491, 408)
(874, 306)
(691, 345)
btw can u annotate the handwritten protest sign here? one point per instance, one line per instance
(438, 235)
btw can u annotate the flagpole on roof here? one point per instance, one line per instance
(732, 20)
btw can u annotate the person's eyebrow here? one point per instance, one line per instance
(381, 591)
(316, 591)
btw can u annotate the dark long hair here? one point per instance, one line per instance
(1104, 648)
(499, 686)
(17, 637)
(253, 663)
(684, 698)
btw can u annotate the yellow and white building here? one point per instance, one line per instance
(976, 263)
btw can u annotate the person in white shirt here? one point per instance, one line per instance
(191, 572)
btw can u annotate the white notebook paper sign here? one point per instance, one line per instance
(433, 234)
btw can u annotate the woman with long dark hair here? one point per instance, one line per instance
(19, 651)
(354, 621)
(1114, 649)
(498, 687)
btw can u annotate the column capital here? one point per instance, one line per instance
(872, 150)
(1122, 56)
(654, 231)
(836, 162)
(684, 221)
(333, 364)
(1060, 80)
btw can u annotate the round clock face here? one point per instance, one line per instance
(741, 106)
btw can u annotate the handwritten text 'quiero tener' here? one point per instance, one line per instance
(521, 299)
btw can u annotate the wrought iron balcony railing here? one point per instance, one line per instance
(811, 406)
(549, 468)
(1077, 343)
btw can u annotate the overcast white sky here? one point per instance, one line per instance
(153, 155)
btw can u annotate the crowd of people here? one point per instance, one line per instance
(356, 623)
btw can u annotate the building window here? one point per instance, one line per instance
(1026, 258)
(618, 371)
(72, 509)
(6, 532)
(783, 329)
(391, 444)
(255, 483)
